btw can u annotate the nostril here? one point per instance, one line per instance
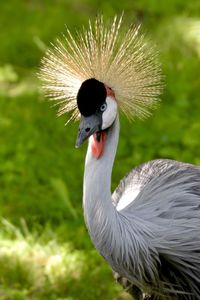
(87, 129)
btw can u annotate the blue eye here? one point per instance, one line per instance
(103, 107)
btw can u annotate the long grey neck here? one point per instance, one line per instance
(99, 211)
(117, 237)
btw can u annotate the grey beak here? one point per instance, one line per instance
(88, 125)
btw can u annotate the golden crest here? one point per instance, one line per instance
(116, 56)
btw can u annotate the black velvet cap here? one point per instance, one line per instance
(91, 95)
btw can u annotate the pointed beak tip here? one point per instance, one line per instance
(79, 142)
(77, 146)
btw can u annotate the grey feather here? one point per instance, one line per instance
(169, 202)
(154, 241)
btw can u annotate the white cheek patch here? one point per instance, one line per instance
(110, 113)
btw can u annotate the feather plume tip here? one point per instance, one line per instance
(119, 58)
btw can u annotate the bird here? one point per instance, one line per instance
(148, 229)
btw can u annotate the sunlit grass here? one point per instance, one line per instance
(191, 33)
(186, 31)
(34, 268)
(12, 85)
(27, 262)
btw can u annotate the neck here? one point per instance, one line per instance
(118, 236)
(99, 211)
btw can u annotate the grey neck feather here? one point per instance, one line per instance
(118, 236)
(99, 211)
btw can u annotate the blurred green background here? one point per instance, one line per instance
(45, 251)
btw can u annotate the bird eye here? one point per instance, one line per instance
(103, 107)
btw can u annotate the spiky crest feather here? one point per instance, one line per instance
(120, 59)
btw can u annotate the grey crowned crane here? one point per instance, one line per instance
(148, 230)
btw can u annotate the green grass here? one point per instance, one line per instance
(42, 267)
(45, 250)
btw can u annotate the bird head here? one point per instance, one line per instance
(99, 71)
(98, 108)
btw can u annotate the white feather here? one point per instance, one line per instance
(128, 196)
(110, 113)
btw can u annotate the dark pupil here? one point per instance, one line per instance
(91, 96)
(103, 107)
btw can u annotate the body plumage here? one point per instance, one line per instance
(153, 241)
(148, 229)
(168, 204)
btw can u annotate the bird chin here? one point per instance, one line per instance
(98, 143)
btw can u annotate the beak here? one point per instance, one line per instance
(88, 125)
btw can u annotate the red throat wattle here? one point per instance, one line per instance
(98, 143)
